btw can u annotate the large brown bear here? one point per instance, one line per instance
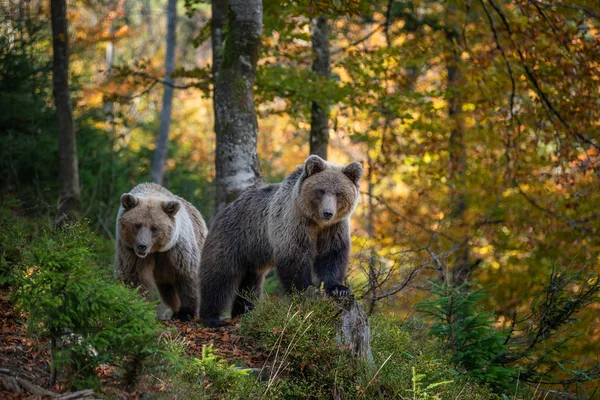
(159, 241)
(300, 227)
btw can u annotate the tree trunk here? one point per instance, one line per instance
(458, 154)
(319, 113)
(146, 13)
(217, 25)
(69, 203)
(162, 146)
(236, 154)
(373, 277)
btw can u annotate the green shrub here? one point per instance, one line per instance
(15, 235)
(207, 377)
(305, 359)
(468, 333)
(88, 317)
(215, 378)
(424, 393)
(418, 365)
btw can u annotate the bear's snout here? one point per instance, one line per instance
(141, 250)
(328, 205)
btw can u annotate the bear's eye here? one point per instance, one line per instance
(137, 227)
(321, 192)
(153, 229)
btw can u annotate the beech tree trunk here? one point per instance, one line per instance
(162, 145)
(236, 154)
(319, 113)
(69, 203)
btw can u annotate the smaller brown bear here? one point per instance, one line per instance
(300, 226)
(159, 241)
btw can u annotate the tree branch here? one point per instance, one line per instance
(572, 223)
(586, 11)
(530, 75)
(379, 27)
(156, 80)
(403, 218)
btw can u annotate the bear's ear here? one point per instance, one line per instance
(171, 207)
(128, 201)
(353, 171)
(313, 165)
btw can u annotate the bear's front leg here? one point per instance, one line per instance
(294, 266)
(183, 266)
(333, 247)
(189, 297)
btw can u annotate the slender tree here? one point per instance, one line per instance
(319, 113)
(69, 203)
(236, 154)
(110, 59)
(455, 80)
(217, 24)
(162, 146)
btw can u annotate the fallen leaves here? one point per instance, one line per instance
(30, 358)
(227, 342)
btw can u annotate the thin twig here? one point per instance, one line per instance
(532, 78)
(571, 223)
(162, 81)
(402, 217)
(359, 41)
(376, 373)
(584, 10)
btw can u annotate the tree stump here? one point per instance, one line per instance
(354, 331)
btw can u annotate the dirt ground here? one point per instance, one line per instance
(24, 357)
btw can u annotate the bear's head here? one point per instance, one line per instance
(147, 225)
(328, 193)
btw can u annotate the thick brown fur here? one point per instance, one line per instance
(159, 242)
(300, 226)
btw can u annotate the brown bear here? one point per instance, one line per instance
(159, 242)
(300, 226)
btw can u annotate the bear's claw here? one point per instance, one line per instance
(338, 291)
(184, 316)
(212, 322)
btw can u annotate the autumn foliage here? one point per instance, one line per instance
(477, 124)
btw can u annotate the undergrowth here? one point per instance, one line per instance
(62, 283)
(306, 360)
(88, 318)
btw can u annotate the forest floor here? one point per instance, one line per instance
(28, 360)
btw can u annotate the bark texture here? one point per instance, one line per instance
(69, 203)
(236, 154)
(319, 113)
(354, 331)
(162, 145)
